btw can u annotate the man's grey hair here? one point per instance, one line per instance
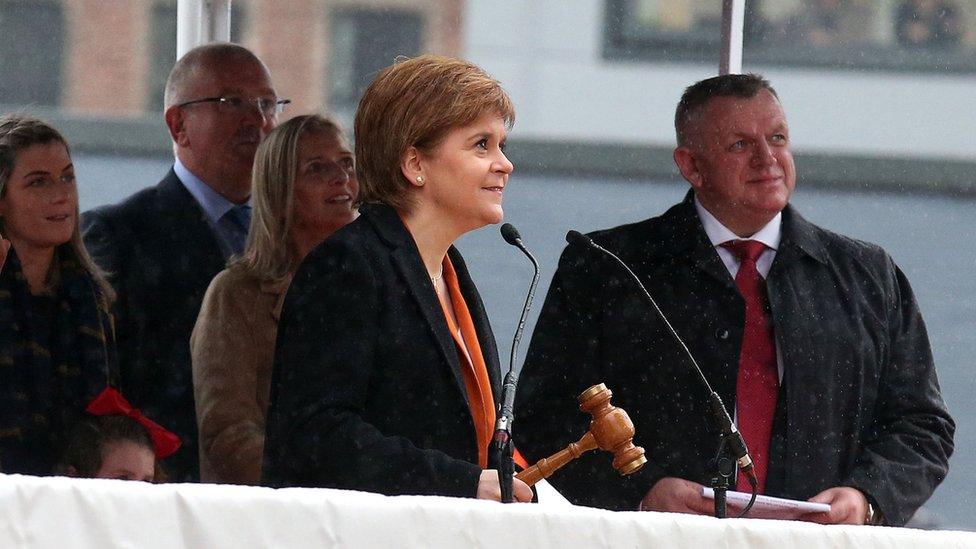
(201, 58)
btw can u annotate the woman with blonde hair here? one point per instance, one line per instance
(57, 346)
(304, 189)
(386, 370)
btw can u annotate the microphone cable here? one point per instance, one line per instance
(730, 434)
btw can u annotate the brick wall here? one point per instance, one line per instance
(289, 36)
(106, 63)
(106, 60)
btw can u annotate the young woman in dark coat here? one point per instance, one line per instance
(56, 339)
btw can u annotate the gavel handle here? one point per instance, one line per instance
(547, 466)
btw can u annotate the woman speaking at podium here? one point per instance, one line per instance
(386, 369)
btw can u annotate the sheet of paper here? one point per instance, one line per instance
(548, 495)
(768, 506)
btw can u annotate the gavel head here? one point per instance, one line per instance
(612, 429)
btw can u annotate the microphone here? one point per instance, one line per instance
(730, 434)
(512, 236)
(502, 440)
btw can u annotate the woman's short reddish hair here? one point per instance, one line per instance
(414, 103)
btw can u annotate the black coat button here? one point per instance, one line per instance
(722, 334)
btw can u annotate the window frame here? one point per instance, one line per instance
(47, 80)
(673, 48)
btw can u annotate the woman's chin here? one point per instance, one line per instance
(485, 221)
(476, 219)
(47, 241)
(495, 216)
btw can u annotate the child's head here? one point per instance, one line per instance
(117, 441)
(116, 447)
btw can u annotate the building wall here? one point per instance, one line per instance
(106, 62)
(578, 112)
(107, 58)
(548, 55)
(295, 56)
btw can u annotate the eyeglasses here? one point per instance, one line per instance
(268, 106)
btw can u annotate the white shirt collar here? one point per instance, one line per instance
(718, 233)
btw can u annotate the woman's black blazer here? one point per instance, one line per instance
(367, 391)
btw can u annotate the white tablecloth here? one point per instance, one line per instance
(75, 513)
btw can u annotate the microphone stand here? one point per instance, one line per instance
(728, 433)
(502, 440)
(722, 470)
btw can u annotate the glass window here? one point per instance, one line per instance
(163, 37)
(903, 35)
(363, 42)
(31, 72)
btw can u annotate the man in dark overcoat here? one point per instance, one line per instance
(813, 340)
(162, 246)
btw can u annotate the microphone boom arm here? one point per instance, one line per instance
(511, 378)
(502, 440)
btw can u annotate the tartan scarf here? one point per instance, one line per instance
(46, 379)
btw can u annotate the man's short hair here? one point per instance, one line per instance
(200, 58)
(697, 95)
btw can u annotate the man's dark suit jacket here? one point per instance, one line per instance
(161, 254)
(859, 405)
(367, 391)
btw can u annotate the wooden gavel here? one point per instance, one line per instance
(611, 430)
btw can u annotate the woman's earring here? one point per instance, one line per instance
(420, 180)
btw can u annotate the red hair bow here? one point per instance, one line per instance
(111, 403)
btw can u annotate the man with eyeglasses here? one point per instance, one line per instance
(163, 245)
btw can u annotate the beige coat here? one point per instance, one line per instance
(232, 346)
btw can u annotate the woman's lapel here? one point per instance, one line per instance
(410, 267)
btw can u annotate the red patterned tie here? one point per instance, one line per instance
(757, 384)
